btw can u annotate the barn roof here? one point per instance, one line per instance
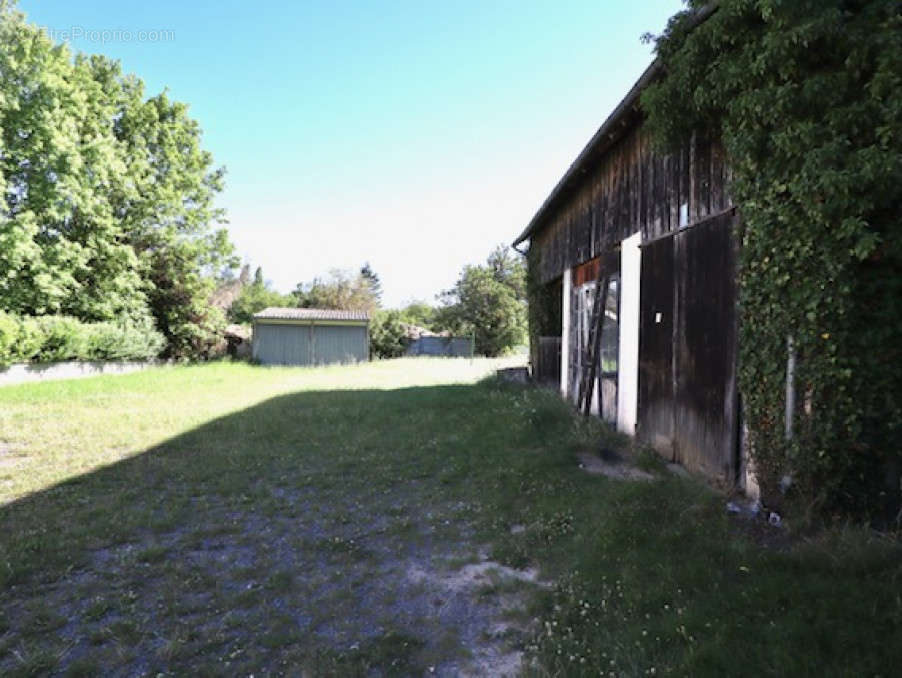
(610, 130)
(276, 313)
(600, 142)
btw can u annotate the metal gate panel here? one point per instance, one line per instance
(282, 344)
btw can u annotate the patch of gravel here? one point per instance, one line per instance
(335, 573)
(616, 469)
(489, 658)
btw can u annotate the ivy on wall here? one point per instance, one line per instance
(807, 97)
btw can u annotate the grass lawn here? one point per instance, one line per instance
(395, 518)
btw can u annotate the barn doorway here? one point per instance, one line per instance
(585, 287)
(688, 405)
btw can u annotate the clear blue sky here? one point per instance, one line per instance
(414, 135)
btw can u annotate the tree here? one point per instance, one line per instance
(339, 291)
(489, 302)
(508, 268)
(388, 338)
(165, 200)
(373, 281)
(106, 207)
(254, 297)
(63, 247)
(419, 313)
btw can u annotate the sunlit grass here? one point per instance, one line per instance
(56, 430)
(256, 515)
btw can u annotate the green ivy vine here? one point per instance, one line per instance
(807, 98)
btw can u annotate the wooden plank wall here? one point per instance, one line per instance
(688, 407)
(632, 187)
(548, 364)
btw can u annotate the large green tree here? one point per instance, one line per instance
(63, 247)
(107, 209)
(165, 200)
(489, 302)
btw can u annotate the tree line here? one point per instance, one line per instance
(108, 217)
(107, 209)
(488, 302)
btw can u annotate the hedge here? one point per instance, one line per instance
(56, 338)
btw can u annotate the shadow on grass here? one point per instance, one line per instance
(355, 441)
(302, 497)
(263, 541)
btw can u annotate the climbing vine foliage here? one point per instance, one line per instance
(807, 99)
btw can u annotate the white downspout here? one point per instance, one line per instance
(565, 334)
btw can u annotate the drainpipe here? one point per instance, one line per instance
(790, 386)
(566, 288)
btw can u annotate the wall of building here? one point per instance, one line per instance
(668, 220)
(449, 347)
(22, 373)
(303, 343)
(631, 188)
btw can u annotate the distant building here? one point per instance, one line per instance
(310, 336)
(421, 341)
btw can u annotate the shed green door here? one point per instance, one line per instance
(340, 344)
(301, 344)
(282, 344)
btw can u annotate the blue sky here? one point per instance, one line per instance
(413, 135)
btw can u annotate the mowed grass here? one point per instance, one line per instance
(228, 519)
(56, 430)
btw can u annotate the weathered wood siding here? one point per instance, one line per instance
(688, 406)
(548, 363)
(632, 187)
(706, 425)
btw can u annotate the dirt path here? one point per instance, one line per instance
(370, 585)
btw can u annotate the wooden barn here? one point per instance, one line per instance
(653, 238)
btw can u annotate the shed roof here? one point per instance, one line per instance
(276, 313)
(610, 130)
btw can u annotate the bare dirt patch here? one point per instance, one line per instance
(615, 468)
(323, 585)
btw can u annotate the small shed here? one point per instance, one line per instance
(310, 336)
(421, 341)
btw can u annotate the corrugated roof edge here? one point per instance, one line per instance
(281, 313)
(603, 138)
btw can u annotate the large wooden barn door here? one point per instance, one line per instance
(687, 348)
(706, 408)
(655, 417)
